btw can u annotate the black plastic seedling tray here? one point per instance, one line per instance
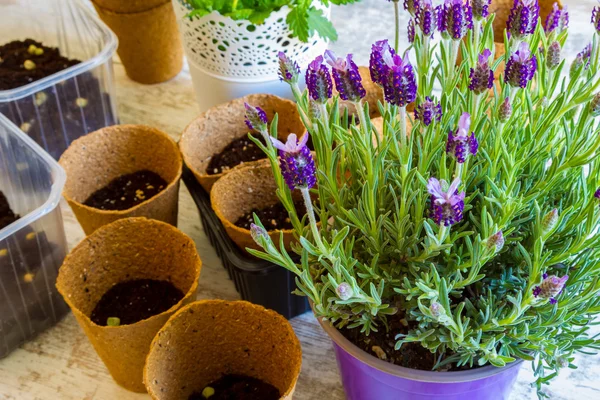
(257, 281)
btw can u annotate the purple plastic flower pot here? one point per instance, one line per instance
(365, 377)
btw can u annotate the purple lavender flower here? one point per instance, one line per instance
(597, 194)
(553, 56)
(496, 241)
(521, 67)
(400, 88)
(412, 6)
(256, 118)
(440, 16)
(550, 287)
(596, 18)
(318, 81)
(595, 111)
(428, 111)
(288, 69)
(446, 206)
(410, 31)
(522, 19)
(426, 18)
(581, 62)
(482, 77)
(346, 76)
(344, 291)
(557, 20)
(257, 233)
(380, 51)
(460, 143)
(505, 110)
(457, 18)
(480, 8)
(296, 162)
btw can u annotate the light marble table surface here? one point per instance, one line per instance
(61, 363)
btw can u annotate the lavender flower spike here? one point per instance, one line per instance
(480, 8)
(289, 70)
(521, 67)
(581, 62)
(428, 111)
(410, 31)
(482, 77)
(557, 20)
(595, 111)
(380, 51)
(596, 18)
(550, 287)
(257, 233)
(256, 118)
(440, 16)
(460, 143)
(346, 76)
(446, 206)
(318, 81)
(496, 241)
(400, 88)
(426, 18)
(597, 194)
(505, 110)
(523, 18)
(553, 56)
(412, 6)
(344, 291)
(457, 18)
(296, 162)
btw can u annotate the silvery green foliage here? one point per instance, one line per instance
(469, 289)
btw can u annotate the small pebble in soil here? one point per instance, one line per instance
(237, 387)
(135, 300)
(127, 191)
(273, 217)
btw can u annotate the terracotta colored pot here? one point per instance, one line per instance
(214, 129)
(94, 160)
(149, 42)
(133, 248)
(208, 339)
(242, 191)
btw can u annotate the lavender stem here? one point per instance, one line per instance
(311, 218)
(397, 18)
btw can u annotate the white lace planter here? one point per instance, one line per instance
(229, 59)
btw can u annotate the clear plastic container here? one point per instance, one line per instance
(33, 247)
(58, 109)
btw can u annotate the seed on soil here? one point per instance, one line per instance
(379, 352)
(40, 98)
(29, 65)
(3, 252)
(81, 102)
(30, 236)
(28, 277)
(207, 392)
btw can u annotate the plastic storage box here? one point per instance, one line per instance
(33, 247)
(257, 281)
(58, 109)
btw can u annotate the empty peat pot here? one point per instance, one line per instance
(241, 191)
(127, 250)
(149, 42)
(94, 160)
(215, 129)
(209, 339)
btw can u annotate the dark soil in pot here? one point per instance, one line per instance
(272, 217)
(127, 191)
(135, 300)
(381, 345)
(59, 114)
(238, 152)
(7, 216)
(237, 387)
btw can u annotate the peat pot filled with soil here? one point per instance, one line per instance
(123, 283)
(224, 350)
(241, 193)
(122, 171)
(217, 141)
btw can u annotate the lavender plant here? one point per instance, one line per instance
(477, 223)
